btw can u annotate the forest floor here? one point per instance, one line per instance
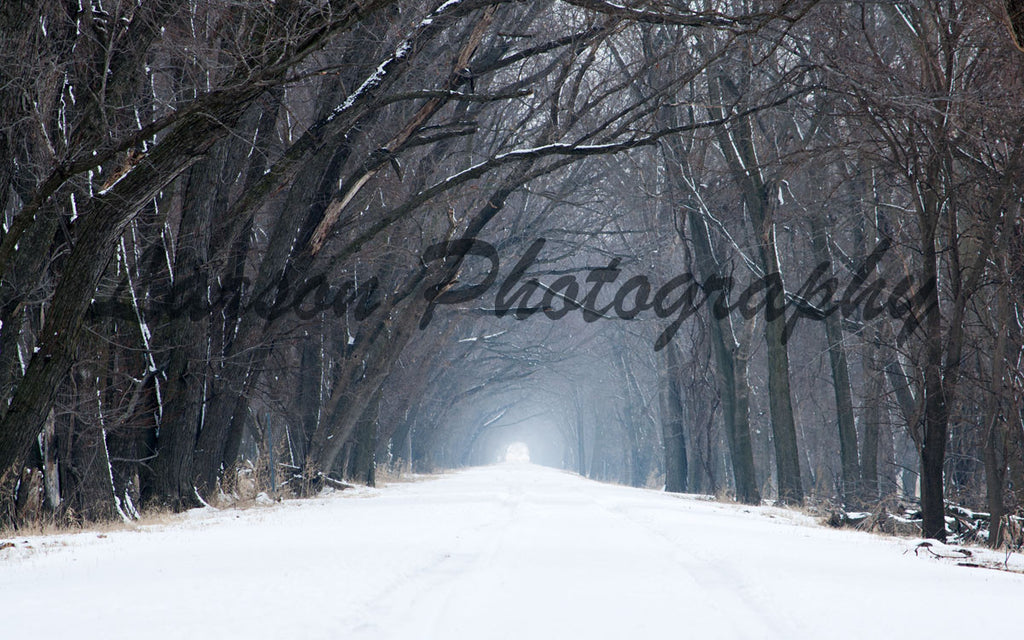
(507, 551)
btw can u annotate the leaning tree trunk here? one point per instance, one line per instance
(85, 266)
(194, 129)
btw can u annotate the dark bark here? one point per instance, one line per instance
(737, 146)
(673, 423)
(731, 369)
(729, 356)
(21, 283)
(871, 418)
(101, 226)
(353, 394)
(227, 337)
(308, 399)
(1015, 456)
(936, 415)
(996, 434)
(193, 130)
(363, 462)
(840, 371)
(187, 341)
(85, 478)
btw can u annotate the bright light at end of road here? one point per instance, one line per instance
(517, 452)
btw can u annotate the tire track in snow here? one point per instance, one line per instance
(414, 602)
(721, 586)
(567, 562)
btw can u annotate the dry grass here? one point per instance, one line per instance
(70, 523)
(386, 474)
(250, 489)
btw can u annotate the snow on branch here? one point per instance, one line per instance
(686, 18)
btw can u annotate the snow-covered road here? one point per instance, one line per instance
(509, 551)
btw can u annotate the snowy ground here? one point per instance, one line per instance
(510, 551)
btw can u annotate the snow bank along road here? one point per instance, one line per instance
(510, 551)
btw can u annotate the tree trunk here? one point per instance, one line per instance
(187, 338)
(840, 372)
(871, 418)
(85, 266)
(729, 356)
(581, 451)
(308, 398)
(996, 434)
(737, 146)
(731, 370)
(672, 422)
(86, 479)
(936, 416)
(363, 463)
(1015, 456)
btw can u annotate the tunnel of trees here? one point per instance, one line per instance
(761, 249)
